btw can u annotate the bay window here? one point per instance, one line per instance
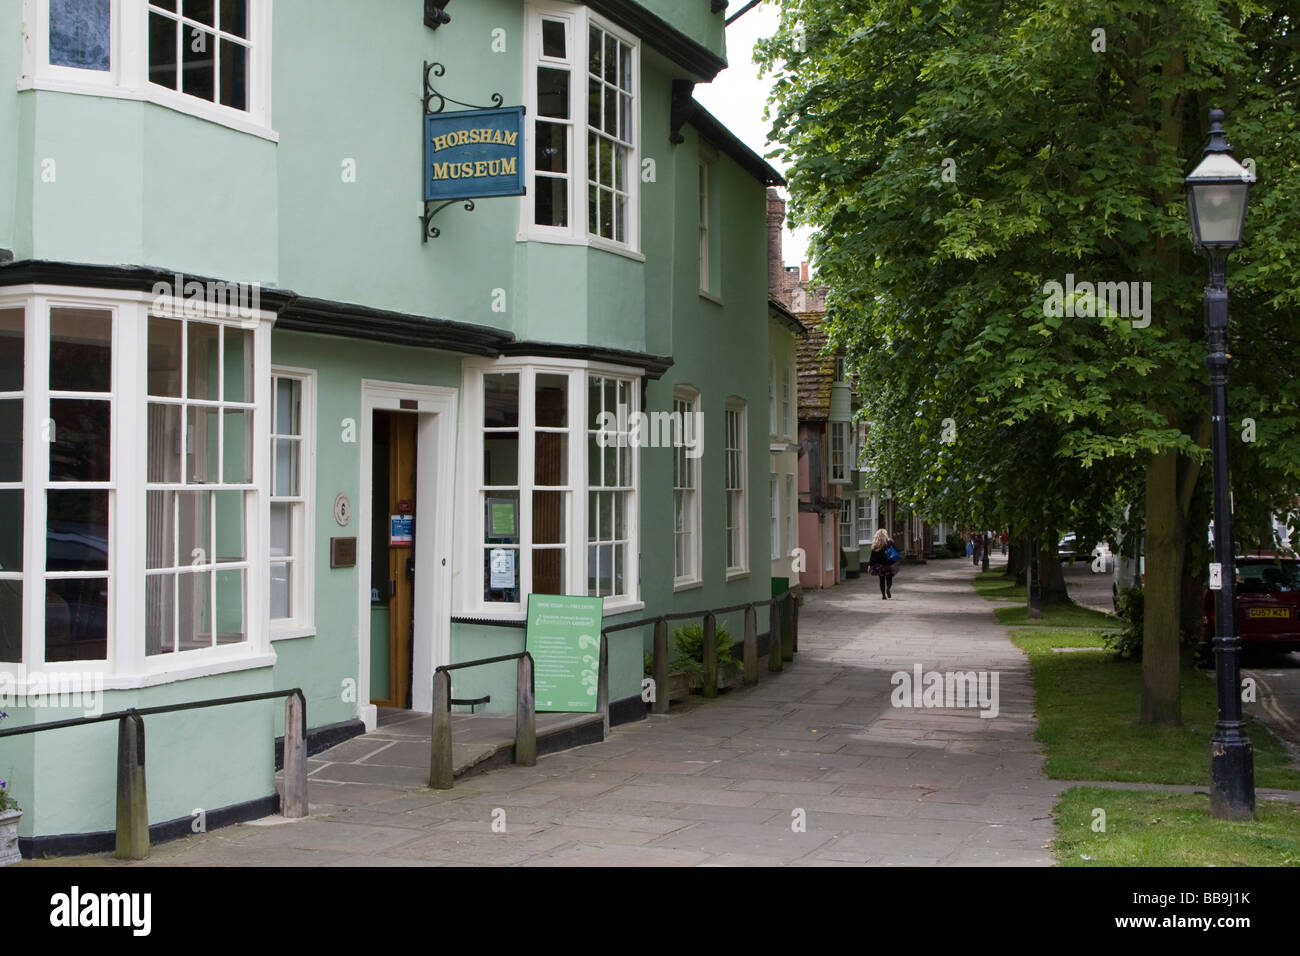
(839, 453)
(292, 487)
(686, 492)
(552, 477)
(846, 524)
(128, 483)
(582, 78)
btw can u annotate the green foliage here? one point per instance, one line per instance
(1127, 641)
(689, 642)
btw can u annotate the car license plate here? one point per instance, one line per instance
(1283, 612)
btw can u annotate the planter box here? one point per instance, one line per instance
(9, 837)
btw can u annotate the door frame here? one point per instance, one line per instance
(435, 481)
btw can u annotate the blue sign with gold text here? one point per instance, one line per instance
(474, 153)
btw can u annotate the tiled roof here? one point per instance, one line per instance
(816, 370)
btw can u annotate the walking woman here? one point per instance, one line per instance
(883, 562)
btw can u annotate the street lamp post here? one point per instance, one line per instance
(1217, 191)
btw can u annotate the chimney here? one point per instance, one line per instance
(803, 271)
(775, 224)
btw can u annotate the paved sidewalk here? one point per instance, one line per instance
(728, 782)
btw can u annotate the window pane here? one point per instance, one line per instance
(234, 75)
(594, 88)
(553, 92)
(501, 575)
(160, 614)
(552, 400)
(76, 619)
(548, 571)
(76, 531)
(288, 401)
(593, 51)
(237, 456)
(198, 63)
(79, 440)
(239, 365)
(501, 517)
(281, 591)
(551, 207)
(501, 458)
(164, 443)
(231, 600)
(162, 51)
(81, 355)
(11, 440)
(11, 622)
(11, 530)
(159, 530)
(281, 529)
(625, 69)
(234, 17)
(593, 208)
(195, 529)
(594, 453)
(551, 458)
(201, 10)
(164, 357)
(80, 34)
(11, 350)
(229, 526)
(611, 59)
(501, 400)
(195, 606)
(202, 360)
(553, 39)
(286, 468)
(606, 214)
(549, 517)
(610, 113)
(552, 147)
(201, 446)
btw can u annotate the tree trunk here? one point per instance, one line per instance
(1051, 583)
(1013, 569)
(1022, 562)
(1161, 702)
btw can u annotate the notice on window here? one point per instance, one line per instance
(501, 513)
(564, 639)
(401, 529)
(501, 568)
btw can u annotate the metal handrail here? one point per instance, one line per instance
(132, 839)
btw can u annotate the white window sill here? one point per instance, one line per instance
(159, 96)
(709, 296)
(289, 630)
(688, 584)
(736, 574)
(187, 671)
(624, 607)
(593, 242)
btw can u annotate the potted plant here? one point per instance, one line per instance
(9, 817)
(690, 656)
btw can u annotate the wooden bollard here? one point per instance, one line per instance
(794, 623)
(660, 703)
(774, 636)
(602, 685)
(525, 714)
(441, 769)
(787, 628)
(751, 646)
(710, 655)
(294, 804)
(132, 797)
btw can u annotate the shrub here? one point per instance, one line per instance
(690, 649)
(1127, 641)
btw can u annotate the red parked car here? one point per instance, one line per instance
(1268, 606)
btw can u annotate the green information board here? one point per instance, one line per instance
(503, 518)
(564, 639)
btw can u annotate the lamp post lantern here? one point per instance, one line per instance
(1217, 190)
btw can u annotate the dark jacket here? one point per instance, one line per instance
(878, 563)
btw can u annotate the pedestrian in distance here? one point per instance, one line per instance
(884, 562)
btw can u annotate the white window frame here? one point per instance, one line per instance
(792, 514)
(774, 494)
(128, 74)
(706, 277)
(302, 596)
(866, 518)
(837, 472)
(469, 534)
(787, 395)
(126, 665)
(773, 426)
(578, 19)
(735, 482)
(847, 536)
(687, 400)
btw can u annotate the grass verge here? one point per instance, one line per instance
(995, 586)
(1145, 828)
(1087, 704)
(1056, 615)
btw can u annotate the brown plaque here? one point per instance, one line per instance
(343, 552)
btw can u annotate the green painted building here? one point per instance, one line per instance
(270, 417)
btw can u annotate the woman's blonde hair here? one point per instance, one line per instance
(880, 540)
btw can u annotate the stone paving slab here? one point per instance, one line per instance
(813, 767)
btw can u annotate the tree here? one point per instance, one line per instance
(958, 159)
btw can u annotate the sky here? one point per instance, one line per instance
(737, 97)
